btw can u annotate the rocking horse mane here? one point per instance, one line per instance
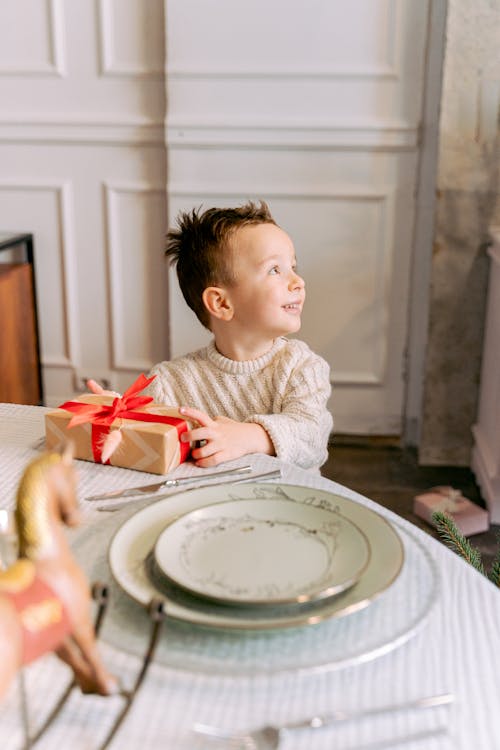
(32, 505)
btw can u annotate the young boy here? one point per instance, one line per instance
(250, 390)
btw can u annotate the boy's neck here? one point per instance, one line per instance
(242, 351)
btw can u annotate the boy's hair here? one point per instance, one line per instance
(199, 247)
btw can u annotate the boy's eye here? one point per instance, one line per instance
(275, 270)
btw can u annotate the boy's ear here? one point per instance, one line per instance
(217, 302)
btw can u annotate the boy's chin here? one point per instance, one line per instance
(291, 329)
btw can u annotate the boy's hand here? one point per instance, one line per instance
(225, 438)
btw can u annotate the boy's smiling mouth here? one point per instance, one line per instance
(293, 306)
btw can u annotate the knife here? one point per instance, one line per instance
(275, 474)
(149, 489)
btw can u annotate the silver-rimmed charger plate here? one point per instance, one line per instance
(262, 551)
(395, 615)
(134, 541)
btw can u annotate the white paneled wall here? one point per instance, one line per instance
(82, 166)
(312, 105)
(315, 107)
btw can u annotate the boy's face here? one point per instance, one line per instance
(268, 294)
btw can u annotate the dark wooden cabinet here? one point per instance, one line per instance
(20, 368)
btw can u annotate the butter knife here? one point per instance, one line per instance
(276, 474)
(149, 489)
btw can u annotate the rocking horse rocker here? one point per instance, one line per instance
(45, 599)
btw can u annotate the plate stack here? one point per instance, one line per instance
(256, 556)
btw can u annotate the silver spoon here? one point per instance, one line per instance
(268, 738)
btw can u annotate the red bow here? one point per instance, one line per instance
(105, 415)
(102, 416)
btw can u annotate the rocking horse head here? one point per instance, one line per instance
(46, 497)
(44, 595)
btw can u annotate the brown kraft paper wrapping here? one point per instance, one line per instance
(145, 446)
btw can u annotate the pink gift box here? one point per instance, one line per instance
(469, 518)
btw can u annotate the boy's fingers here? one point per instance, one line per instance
(199, 434)
(199, 416)
(98, 390)
(201, 451)
(94, 387)
(213, 460)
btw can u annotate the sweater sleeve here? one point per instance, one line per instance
(301, 429)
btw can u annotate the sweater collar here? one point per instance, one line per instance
(246, 366)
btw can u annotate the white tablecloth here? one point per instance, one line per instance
(455, 649)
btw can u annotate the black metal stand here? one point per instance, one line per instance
(100, 594)
(157, 615)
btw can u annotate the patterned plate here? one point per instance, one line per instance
(262, 552)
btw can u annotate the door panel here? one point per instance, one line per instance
(316, 110)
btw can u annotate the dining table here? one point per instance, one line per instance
(430, 627)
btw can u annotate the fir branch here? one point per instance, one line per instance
(451, 535)
(494, 574)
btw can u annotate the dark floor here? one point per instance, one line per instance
(389, 474)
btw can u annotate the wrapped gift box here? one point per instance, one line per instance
(152, 445)
(468, 517)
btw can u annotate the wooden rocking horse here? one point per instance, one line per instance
(44, 595)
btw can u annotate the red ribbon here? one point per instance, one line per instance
(102, 416)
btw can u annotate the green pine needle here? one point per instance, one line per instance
(456, 541)
(494, 574)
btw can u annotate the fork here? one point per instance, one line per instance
(268, 737)
(255, 741)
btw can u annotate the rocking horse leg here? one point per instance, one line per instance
(81, 653)
(71, 655)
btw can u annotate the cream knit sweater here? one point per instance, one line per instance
(286, 391)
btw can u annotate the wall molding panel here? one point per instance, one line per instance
(69, 356)
(337, 192)
(382, 72)
(110, 64)
(386, 136)
(382, 137)
(387, 69)
(55, 64)
(376, 349)
(79, 131)
(117, 270)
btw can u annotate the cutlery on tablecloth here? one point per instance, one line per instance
(207, 480)
(149, 489)
(268, 738)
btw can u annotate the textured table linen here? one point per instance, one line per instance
(455, 649)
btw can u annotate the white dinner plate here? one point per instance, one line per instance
(134, 541)
(262, 552)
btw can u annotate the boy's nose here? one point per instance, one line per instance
(296, 281)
